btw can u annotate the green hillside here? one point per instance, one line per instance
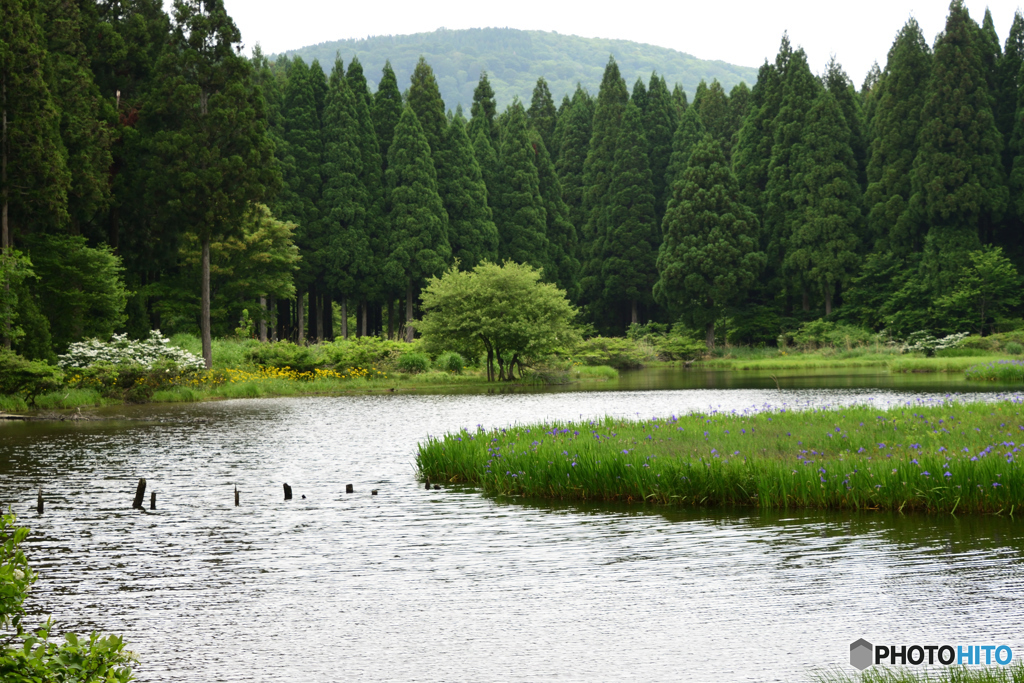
(514, 60)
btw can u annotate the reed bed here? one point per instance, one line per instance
(950, 457)
(997, 371)
(1014, 673)
(938, 364)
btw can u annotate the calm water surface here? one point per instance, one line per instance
(449, 585)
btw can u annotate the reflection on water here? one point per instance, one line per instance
(449, 585)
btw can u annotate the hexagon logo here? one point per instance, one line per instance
(861, 653)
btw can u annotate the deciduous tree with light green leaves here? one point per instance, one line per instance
(504, 310)
(986, 288)
(709, 256)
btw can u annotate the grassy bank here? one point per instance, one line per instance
(1014, 673)
(255, 382)
(960, 458)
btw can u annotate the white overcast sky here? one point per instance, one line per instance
(743, 32)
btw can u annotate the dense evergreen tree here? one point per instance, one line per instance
(425, 100)
(560, 120)
(487, 158)
(957, 177)
(560, 232)
(209, 134)
(782, 214)
(387, 109)
(823, 243)
(300, 194)
(715, 115)
(709, 256)
(659, 127)
(687, 135)
(631, 234)
(34, 179)
(597, 175)
(418, 245)
(483, 110)
(357, 82)
(899, 97)
(347, 251)
(85, 116)
(753, 153)
(1008, 83)
(842, 89)
(639, 95)
(471, 231)
(572, 156)
(679, 100)
(542, 114)
(519, 208)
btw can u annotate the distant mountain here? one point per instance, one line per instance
(514, 60)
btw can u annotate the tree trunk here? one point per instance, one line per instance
(807, 301)
(409, 331)
(300, 318)
(284, 320)
(319, 318)
(391, 318)
(327, 305)
(272, 317)
(710, 338)
(365, 305)
(344, 318)
(204, 312)
(633, 316)
(828, 301)
(5, 231)
(263, 319)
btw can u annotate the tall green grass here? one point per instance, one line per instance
(997, 371)
(12, 404)
(69, 398)
(1014, 673)
(960, 458)
(938, 364)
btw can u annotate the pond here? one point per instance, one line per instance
(419, 585)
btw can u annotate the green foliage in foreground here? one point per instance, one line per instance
(33, 657)
(936, 458)
(1014, 673)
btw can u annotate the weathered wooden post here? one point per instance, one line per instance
(39, 501)
(287, 492)
(236, 496)
(349, 489)
(373, 492)
(427, 487)
(140, 494)
(152, 500)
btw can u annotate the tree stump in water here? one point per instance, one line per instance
(287, 492)
(140, 494)
(152, 500)
(39, 502)
(236, 496)
(349, 489)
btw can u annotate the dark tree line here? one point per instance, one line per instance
(180, 183)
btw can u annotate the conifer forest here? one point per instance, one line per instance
(154, 177)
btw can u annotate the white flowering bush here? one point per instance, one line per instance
(927, 343)
(123, 351)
